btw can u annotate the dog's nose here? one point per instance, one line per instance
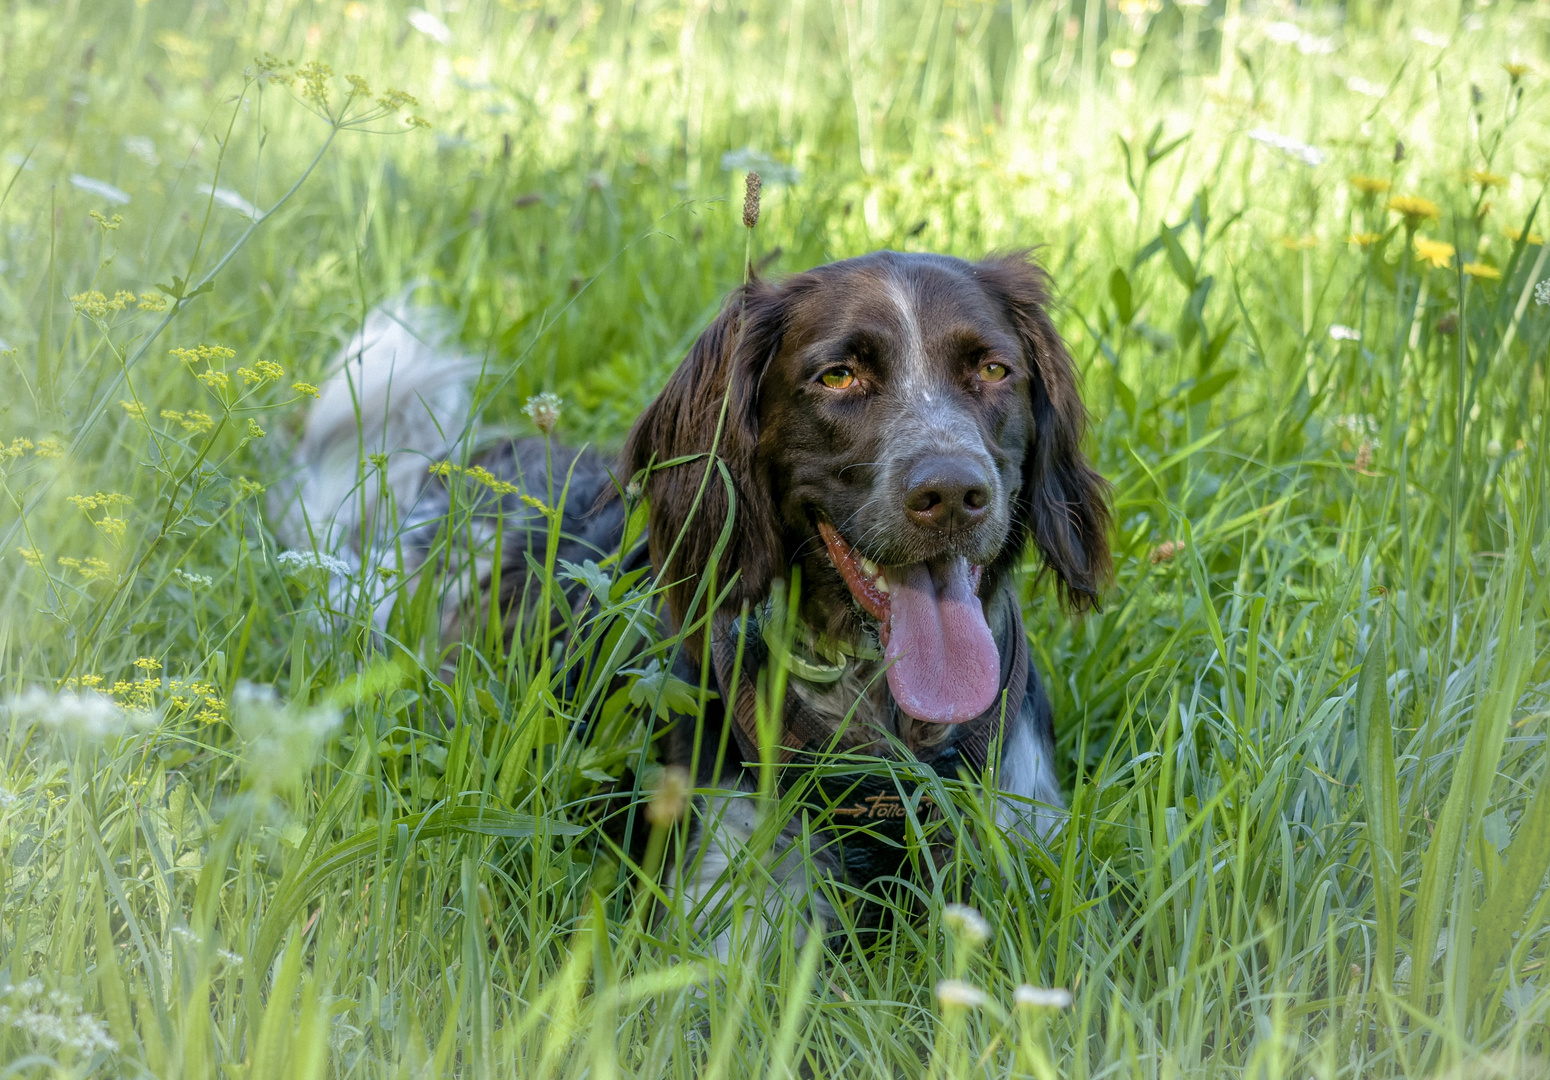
(946, 492)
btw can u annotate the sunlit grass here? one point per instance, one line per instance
(240, 835)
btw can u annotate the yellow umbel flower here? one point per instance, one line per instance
(305, 388)
(1437, 252)
(1414, 209)
(1481, 270)
(1370, 185)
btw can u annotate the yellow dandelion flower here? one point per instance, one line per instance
(1364, 239)
(1515, 70)
(1482, 270)
(1437, 252)
(1414, 208)
(1487, 179)
(1370, 185)
(305, 388)
(1515, 235)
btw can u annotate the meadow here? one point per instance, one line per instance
(1299, 259)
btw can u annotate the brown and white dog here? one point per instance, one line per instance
(891, 430)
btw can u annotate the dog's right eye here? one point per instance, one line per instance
(838, 378)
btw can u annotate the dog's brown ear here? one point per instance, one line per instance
(712, 401)
(1064, 501)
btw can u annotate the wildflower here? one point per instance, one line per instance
(1165, 551)
(232, 200)
(544, 409)
(135, 410)
(50, 447)
(245, 487)
(90, 569)
(280, 740)
(1515, 235)
(300, 562)
(1487, 179)
(99, 501)
(430, 26)
(1123, 58)
(1414, 209)
(955, 993)
(213, 355)
(1515, 71)
(1482, 270)
(194, 422)
(1437, 252)
(393, 100)
(108, 224)
(31, 556)
(1370, 185)
(113, 528)
(148, 664)
(101, 188)
(83, 715)
(314, 77)
(95, 305)
(966, 924)
(1298, 243)
(1310, 156)
(1038, 997)
(18, 447)
(1542, 293)
(254, 431)
(1344, 333)
(667, 802)
(215, 380)
(151, 302)
(55, 1018)
(305, 389)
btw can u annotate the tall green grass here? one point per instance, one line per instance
(1303, 743)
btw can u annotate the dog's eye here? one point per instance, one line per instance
(839, 378)
(993, 372)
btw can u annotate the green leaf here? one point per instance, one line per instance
(1119, 291)
(1210, 386)
(1380, 795)
(1178, 258)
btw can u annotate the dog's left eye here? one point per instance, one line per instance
(838, 378)
(992, 372)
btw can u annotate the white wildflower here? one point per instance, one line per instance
(142, 147)
(100, 188)
(280, 740)
(299, 562)
(8, 799)
(965, 923)
(1542, 292)
(544, 411)
(1310, 156)
(956, 992)
(1344, 333)
(64, 1024)
(193, 581)
(83, 715)
(232, 201)
(430, 26)
(1039, 997)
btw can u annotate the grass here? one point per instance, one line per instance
(1303, 743)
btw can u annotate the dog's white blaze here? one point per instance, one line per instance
(917, 366)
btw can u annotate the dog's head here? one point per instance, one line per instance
(898, 426)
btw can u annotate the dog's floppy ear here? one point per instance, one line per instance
(1064, 501)
(715, 388)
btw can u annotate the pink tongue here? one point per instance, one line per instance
(942, 661)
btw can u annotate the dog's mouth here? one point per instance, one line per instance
(943, 664)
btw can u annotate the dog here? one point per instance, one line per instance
(887, 433)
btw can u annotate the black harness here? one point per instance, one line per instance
(868, 813)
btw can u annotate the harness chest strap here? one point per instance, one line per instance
(803, 730)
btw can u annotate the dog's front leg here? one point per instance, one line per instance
(738, 885)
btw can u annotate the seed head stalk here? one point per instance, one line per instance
(751, 187)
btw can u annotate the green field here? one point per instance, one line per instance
(1303, 743)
